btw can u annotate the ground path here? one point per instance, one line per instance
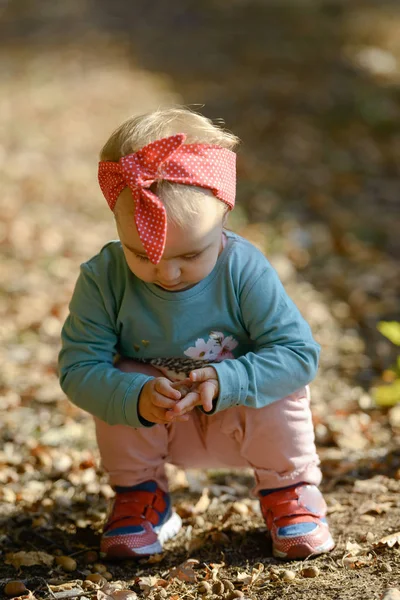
(318, 193)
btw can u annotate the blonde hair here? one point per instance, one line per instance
(181, 201)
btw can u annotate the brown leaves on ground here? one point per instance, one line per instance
(28, 559)
(313, 93)
(388, 541)
(112, 591)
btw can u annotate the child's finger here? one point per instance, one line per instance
(187, 403)
(177, 384)
(164, 387)
(158, 416)
(183, 386)
(162, 402)
(207, 393)
(203, 374)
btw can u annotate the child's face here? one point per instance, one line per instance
(191, 250)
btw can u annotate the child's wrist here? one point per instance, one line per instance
(142, 401)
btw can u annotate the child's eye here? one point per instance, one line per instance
(140, 257)
(192, 256)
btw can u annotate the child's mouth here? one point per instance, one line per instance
(170, 287)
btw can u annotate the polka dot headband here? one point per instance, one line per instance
(203, 165)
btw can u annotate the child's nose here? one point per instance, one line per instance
(169, 271)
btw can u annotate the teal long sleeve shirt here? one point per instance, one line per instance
(239, 319)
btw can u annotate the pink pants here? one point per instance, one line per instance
(277, 441)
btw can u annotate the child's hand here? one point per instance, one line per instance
(156, 398)
(204, 387)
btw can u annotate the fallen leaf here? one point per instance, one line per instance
(367, 518)
(243, 577)
(353, 548)
(116, 594)
(256, 572)
(28, 559)
(184, 509)
(373, 507)
(147, 583)
(252, 578)
(28, 596)
(154, 558)
(369, 486)
(336, 508)
(203, 503)
(147, 580)
(358, 562)
(389, 540)
(391, 330)
(184, 572)
(62, 587)
(240, 508)
(192, 562)
(68, 593)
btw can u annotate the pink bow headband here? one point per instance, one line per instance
(203, 165)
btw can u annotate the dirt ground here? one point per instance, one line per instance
(312, 89)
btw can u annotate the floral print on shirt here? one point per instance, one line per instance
(216, 348)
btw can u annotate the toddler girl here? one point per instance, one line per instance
(183, 344)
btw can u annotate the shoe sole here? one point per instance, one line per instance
(304, 551)
(164, 533)
(170, 528)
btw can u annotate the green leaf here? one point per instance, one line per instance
(391, 330)
(387, 395)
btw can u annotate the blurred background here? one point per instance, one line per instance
(311, 87)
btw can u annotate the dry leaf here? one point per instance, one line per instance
(115, 594)
(28, 559)
(62, 587)
(154, 558)
(336, 508)
(250, 579)
(28, 596)
(192, 562)
(184, 572)
(203, 503)
(184, 509)
(243, 577)
(389, 540)
(68, 593)
(374, 507)
(240, 509)
(147, 583)
(367, 518)
(256, 572)
(357, 562)
(354, 559)
(352, 548)
(147, 580)
(369, 486)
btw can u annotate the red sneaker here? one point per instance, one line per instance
(295, 518)
(141, 520)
